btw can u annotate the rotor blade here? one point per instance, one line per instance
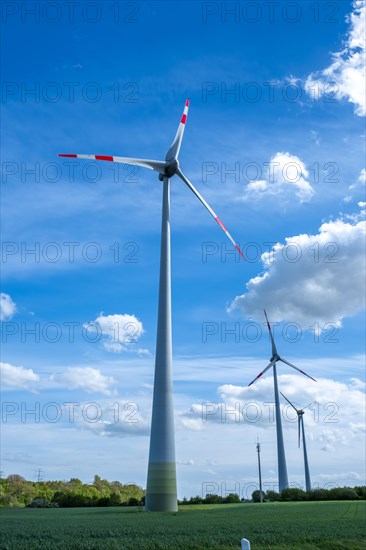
(212, 212)
(157, 165)
(274, 349)
(288, 401)
(173, 151)
(263, 371)
(293, 366)
(298, 431)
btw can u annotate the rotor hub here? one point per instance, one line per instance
(171, 168)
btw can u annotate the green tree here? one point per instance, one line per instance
(256, 495)
(293, 494)
(211, 498)
(342, 493)
(231, 498)
(272, 496)
(319, 494)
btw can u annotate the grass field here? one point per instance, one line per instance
(294, 526)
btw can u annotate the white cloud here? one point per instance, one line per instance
(286, 175)
(118, 332)
(346, 74)
(7, 307)
(311, 278)
(360, 181)
(18, 377)
(362, 176)
(333, 413)
(114, 418)
(85, 378)
(75, 66)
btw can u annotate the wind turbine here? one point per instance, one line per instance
(259, 471)
(282, 469)
(161, 488)
(300, 424)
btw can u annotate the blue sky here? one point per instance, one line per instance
(275, 143)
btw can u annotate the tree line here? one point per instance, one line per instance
(293, 494)
(17, 491)
(287, 495)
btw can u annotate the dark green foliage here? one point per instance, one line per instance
(272, 496)
(256, 496)
(319, 494)
(15, 491)
(361, 491)
(342, 493)
(212, 498)
(293, 494)
(231, 498)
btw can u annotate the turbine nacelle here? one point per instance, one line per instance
(171, 168)
(275, 357)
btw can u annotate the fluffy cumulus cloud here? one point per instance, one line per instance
(117, 332)
(361, 181)
(286, 176)
(117, 420)
(345, 76)
(333, 410)
(7, 307)
(18, 377)
(85, 378)
(310, 278)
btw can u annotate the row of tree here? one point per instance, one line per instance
(294, 494)
(287, 495)
(212, 498)
(17, 491)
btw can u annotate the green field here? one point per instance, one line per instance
(294, 526)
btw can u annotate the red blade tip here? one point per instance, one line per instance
(240, 252)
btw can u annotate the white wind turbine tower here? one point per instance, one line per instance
(282, 468)
(161, 488)
(300, 428)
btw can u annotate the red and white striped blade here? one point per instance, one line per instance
(157, 165)
(263, 371)
(212, 212)
(293, 366)
(174, 149)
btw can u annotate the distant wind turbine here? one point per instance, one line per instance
(259, 471)
(300, 425)
(281, 457)
(161, 489)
